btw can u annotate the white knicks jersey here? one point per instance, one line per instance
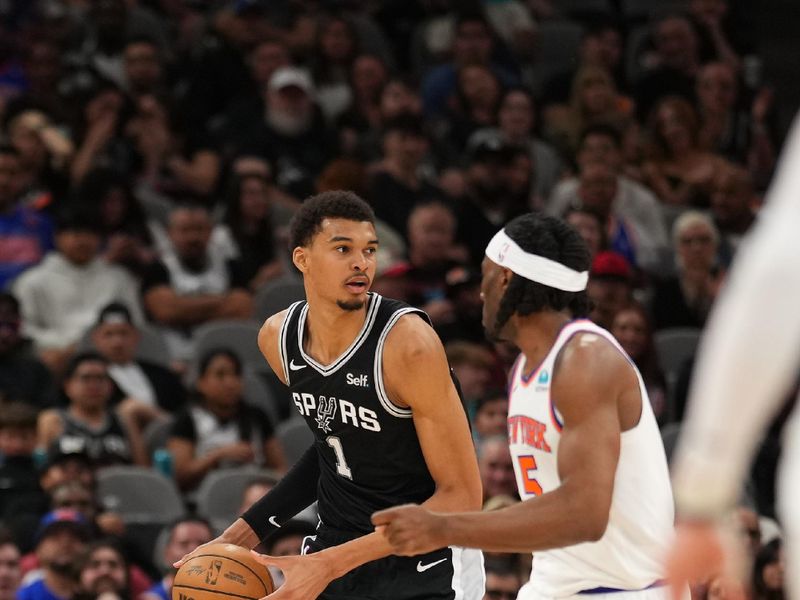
(640, 526)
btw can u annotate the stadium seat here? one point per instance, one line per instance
(257, 393)
(276, 296)
(220, 494)
(139, 495)
(674, 346)
(156, 433)
(239, 336)
(295, 437)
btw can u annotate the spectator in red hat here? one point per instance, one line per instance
(610, 287)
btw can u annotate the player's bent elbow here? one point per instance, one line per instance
(592, 527)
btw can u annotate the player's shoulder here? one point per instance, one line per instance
(591, 358)
(273, 325)
(412, 336)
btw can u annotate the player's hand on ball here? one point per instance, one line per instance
(178, 563)
(410, 529)
(305, 576)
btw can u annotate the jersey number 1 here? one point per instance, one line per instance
(341, 463)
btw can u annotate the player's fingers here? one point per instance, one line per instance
(384, 517)
(177, 564)
(269, 561)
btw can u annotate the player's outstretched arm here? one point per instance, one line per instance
(416, 375)
(590, 378)
(747, 361)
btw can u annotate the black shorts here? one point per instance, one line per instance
(446, 574)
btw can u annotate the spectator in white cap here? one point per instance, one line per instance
(290, 131)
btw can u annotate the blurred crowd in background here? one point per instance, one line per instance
(153, 152)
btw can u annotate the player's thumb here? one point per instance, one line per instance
(383, 517)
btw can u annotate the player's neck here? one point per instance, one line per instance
(329, 330)
(535, 334)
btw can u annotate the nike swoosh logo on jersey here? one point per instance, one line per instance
(273, 521)
(295, 367)
(422, 568)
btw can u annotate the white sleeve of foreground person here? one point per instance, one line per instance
(749, 354)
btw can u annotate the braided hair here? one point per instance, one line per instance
(551, 238)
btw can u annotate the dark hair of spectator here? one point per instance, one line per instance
(191, 518)
(210, 355)
(551, 238)
(604, 130)
(407, 123)
(768, 554)
(78, 217)
(233, 212)
(490, 396)
(18, 415)
(80, 358)
(337, 204)
(9, 301)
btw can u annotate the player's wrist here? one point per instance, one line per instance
(240, 534)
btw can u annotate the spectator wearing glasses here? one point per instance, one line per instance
(110, 436)
(685, 299)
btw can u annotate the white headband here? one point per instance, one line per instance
(506, 253)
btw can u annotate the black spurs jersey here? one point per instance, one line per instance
(369, 453)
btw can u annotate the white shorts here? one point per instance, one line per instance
(655, 593)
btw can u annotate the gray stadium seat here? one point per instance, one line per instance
(156, 433)
(296, 437)
(276, 296)
(239, 336)
(139, 494)
(256, 393)
(220, 494)
(674, 346)
(669, 436)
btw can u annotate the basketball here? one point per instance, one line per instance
(220, 572)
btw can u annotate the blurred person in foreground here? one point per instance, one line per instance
(754, 328)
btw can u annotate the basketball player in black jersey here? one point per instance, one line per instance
(370, 377)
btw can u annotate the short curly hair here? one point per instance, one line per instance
(551, 238)
(336, 204)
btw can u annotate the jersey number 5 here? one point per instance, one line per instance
(341, 463)
(527, 464)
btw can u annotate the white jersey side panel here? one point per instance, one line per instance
(629, 555)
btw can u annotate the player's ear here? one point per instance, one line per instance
(300, 258)
(505, 277)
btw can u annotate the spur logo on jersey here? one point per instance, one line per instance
(357, 380)
(325, 409)
(524, 430)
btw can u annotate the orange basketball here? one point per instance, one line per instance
(221, 572)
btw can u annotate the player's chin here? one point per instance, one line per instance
(351, 304)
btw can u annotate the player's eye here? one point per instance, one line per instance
(341, 249)
(371, 250)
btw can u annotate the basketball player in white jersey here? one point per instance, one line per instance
(597, 506)
(747, 362)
